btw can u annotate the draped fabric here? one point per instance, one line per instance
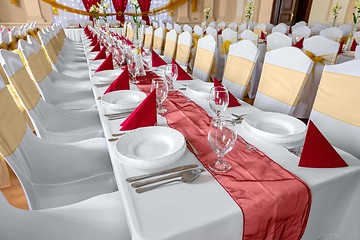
(145, 7)
(87, 5)
(120, 6)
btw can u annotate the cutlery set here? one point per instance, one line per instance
(185, 174)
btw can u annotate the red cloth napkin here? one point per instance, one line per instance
(341, 47)
(129, 42)
(107, 64)
(233, 102)
(96, 48)
(262, 35)
(120, 83)
(220, 32)
(156, 60)
(101, 54)
(182, 75)
(318, 152)
(353, 45)
(94, 41)
(143, 116)
(299, 44)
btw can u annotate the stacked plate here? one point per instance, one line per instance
(106, 76)
(150, 147)
(123, 99)
(275, 127)
(199, 88)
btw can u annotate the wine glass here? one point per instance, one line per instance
(171, 73)
(218, 99)
(133, 70)
(161, 87)
(222, 137)
(146, 56)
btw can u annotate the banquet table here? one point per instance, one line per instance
(75, 33)
(204, 209)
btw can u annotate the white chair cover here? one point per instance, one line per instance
(177, 28)
(233, 26)
(278, 40)
(170, 45)
(280, 29)
(169, 26)
(346, 28)
(332, 33)
(158, 40)
(212, 24)
(357, 52)
(204, 58)
(250, 35)
(317, 28)
(148, 38)
(162, 25)
(301, 31)
(187, 28)
(184, 48)
(212, 31)
(222, 25)
(155, 24)
(198, 30)
(261, 27)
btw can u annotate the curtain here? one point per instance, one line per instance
(87, 5)
(145, 7)
(120, 6)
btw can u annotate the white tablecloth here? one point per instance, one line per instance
(204, 210)
(75, 33)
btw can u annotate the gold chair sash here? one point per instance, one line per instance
(338, 97)
(12, 45)
(225, 46)
(12, 124)
(4, 174)
(183, 53)
(258, 31)
(282, 84)
(4, 46)
(238, 70)
(326, 59)
(25, 88)
(158, 43)
(38, 67)
(204, 60)
(3, 75)
(170, 47)
(195, 40)
(148, 40)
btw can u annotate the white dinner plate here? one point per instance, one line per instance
(123, 99)
(199, 88)
(274, 126)
(106, 76)
(150, 147)
(95, 64)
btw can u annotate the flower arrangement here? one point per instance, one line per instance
(100, 8)
(249, 10)
(207, 12)
(356, 14)
(335, 12)
(136, 6)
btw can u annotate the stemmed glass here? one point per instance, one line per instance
(146, 56)
(222, 137)
(161, 92)
(218, 99)
(171, 74)
(133, 70)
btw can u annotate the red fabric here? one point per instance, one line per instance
(96, 48)
(220, 32)
(120, 6)
(318, 152)
(88, 4)
(233, 102)
(299, 44)
(145, 7)
(275, 203)
(120, 83)
(94, 41)
(101, 54)
(143, 116)
(156, 60)
(182, 75)
(341, 47)
(353, 45)
(106, 65)
(263, 35)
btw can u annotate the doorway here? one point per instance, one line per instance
(290, 11)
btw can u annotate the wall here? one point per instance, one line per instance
(321, 11)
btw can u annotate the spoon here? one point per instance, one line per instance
(186, 178)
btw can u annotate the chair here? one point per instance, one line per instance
(317, 28)
(250, 35)
(162, 25)
(357, 52)
(278, 40)
(183, 48)
(212, 24)
(204, 58)
(198, 31)
(300, 32)
(170, 45)
(357, 37)
(261, 27)
(102, 217)
(148, 38)
(346, 28)
(52, 175)
(53, 124)
(221, 25)
(158, 40)
(212, 32)
(280, 28)
(169, 26)
(227, 37)
(239, 67)
(283, 77)
(177, 28)
(336, 108)
(130, 32)
(114, 23)
(187, 28)
(155, 24)
(233, 26)
(332, 33)
(242, 27)
(72, 23)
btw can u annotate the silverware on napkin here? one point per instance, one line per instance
(171, 170)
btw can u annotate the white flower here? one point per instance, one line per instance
(207, 10)
(106, 5)
(101, 10)
(135, 2)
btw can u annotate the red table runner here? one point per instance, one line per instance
(275, 203)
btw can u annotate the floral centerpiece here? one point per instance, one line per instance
(207, 13)
(356, 14)
(99, 10)
(249, 11)
(335, 12)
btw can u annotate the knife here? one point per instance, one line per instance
(176, 169)
(159, 179)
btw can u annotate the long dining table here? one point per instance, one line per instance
(203, 209)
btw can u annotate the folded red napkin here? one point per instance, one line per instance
(341, 47)
(121, 82)
(143, 116)
(182, 75)
(299, 44)
(157, 61)
(129, 42)
(220, 32)
(318, 152)
(101, 54)
(204, 33)
(233, 102)
(353, 45)
(94, 41)
(96, 48)
(262, 35)
(107, 64)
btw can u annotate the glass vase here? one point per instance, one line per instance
(350, 37)
(138, 39)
